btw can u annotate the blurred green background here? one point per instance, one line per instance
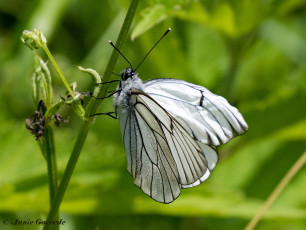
(251, 52)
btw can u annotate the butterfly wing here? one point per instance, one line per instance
(209, 118)
(162, 156)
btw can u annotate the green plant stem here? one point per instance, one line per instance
(91, 108)
(51, 161)
(94, 104)
(58, 70)
(51, 165)
(78, 107)
(279, 188)
(42, 147)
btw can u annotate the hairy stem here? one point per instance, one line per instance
(91, 108)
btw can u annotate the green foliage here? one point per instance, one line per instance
(251, 52)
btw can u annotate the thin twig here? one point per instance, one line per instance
(279, 188)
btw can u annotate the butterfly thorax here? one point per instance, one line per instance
(129, 81)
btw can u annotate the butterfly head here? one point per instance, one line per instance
(127, 73)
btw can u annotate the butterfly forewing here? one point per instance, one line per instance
(207, 117)
(162, 156)
(158, 176)
(186, 152)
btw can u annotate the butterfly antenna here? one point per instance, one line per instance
(168, 30)
(111, 43)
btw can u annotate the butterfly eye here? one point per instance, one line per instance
(123, 76)
(127, 73)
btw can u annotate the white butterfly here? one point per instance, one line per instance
(170, 130)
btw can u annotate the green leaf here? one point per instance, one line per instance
(285, 39)
(41, 83)
(54, 108)
(195, 12)
(223, 19)
(207, 55)
(77, 106)
(96, 78)
(151, 16)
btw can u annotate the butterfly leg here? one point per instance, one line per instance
(102, 83)
(117, 74)
(91, 94)
(108, 114)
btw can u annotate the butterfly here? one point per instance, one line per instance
(170, 130)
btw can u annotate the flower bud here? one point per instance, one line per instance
(33, 39)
